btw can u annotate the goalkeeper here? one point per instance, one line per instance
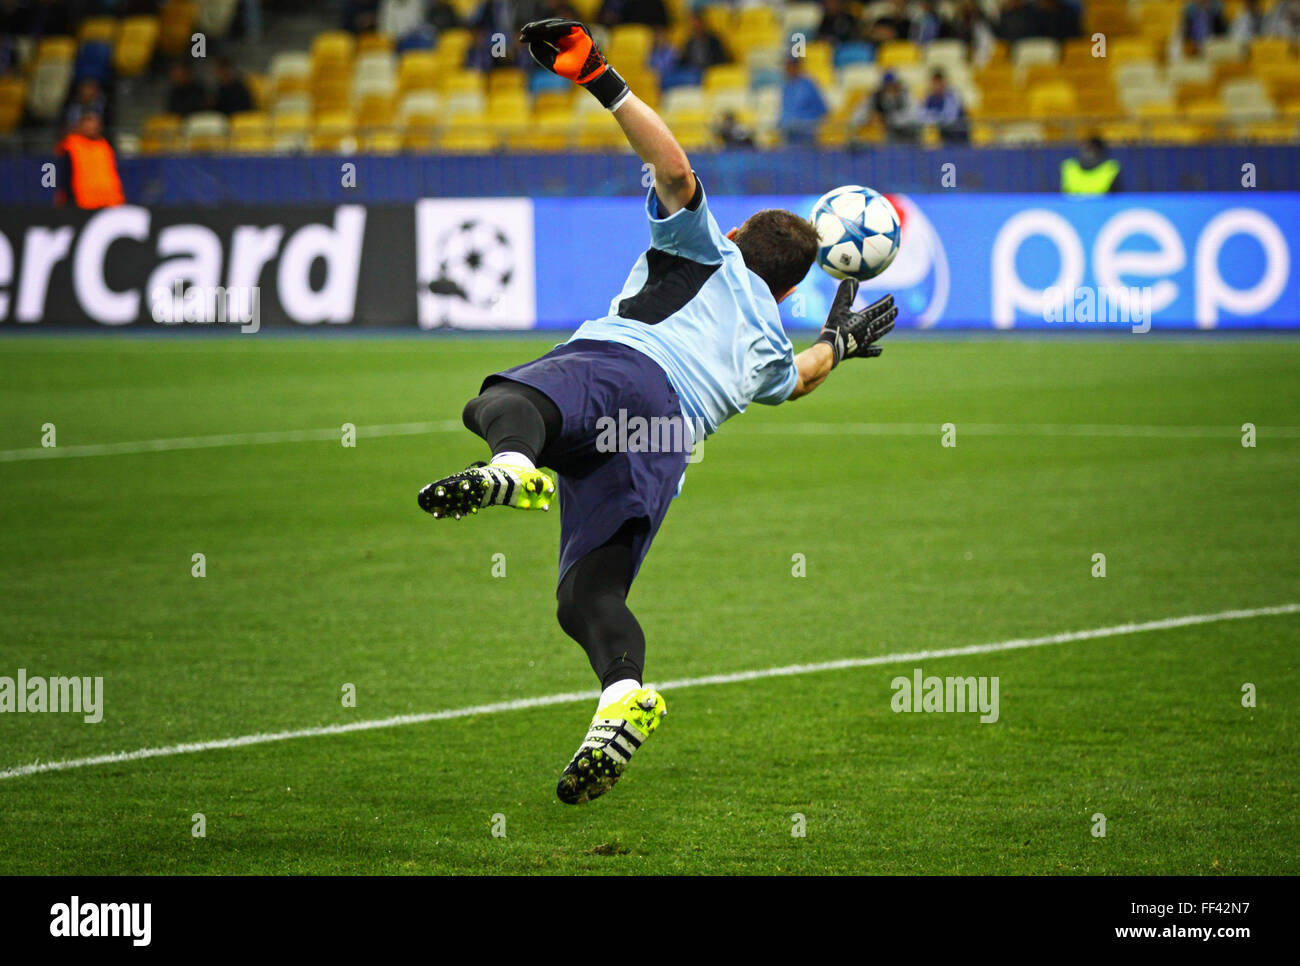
(692, 340)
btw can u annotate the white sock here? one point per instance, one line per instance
(513, 459)
(617, 692)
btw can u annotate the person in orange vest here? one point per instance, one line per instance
(87, 166)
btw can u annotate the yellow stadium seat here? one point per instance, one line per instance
(332, 46)
(1123, 50)
(418, 71)
(897, 53)
(374, 43)
(599, 131)
(630, 44)
(1002, 106)
(55, 48)
(381, 142)
(97, 29)
(1175, 132)
(135, 45)
(176, 25)
(1055, 99)
(1274, 132)
(1077, 51)
(1121, 132)
(1207, 111)
(12, 92)
(507, 79)
(334, 94)
(726, 77)
(553, 102)
(334, 131)
(1157, 109)
(460, 82)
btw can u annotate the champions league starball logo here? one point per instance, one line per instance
(474, 263)
(919, 277)
(477, 264)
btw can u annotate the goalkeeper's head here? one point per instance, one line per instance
(779, 247)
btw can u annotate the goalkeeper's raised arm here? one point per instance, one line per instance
(566, 48)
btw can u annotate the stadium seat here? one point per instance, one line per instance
(1024, 132)
(897, 53)
(206, 131)
(176, 26)
(1247, 99)
(290, 131)
(1120, 132)
(1052, 100)
(1221, 49)
(381, 142)
(48, 88)
(1174, 132)
(297, 102)
(630, 44)
(947, 54)
(1035, 50)
(334, 131)
(160, 134)
(332, 47)
(94, 60)
(1190, 71)
(376, 112)
(599, 132)
(802, 18)
(13, 91)
(1272, 132)
(418, 104)
(136, 41)
(215, 16)
(726, 77)
(101, 29)
(849, 54)
(250, 133)
(374, 43)
(418, 71)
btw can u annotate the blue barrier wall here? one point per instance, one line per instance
(317, 180)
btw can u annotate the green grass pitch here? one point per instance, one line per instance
(321, 571)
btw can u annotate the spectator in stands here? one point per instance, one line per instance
(88, 97)
(1017, 21)
(495, 38)
(802, 105)
(943, 108)
(185, 95)
(1093, 172)
(231, 95)
(973, 28)
(398, 18)
(663, 55)
(87, 168)
(1283, 20)
(890, 105)
(892, 25)
(1057, 20)
(733, 134)
(929, 24)
(652, 13)
(1203, 19)
(443, 16)
(1249, 22)
(838, 25)
(360, 16)
(702, 49)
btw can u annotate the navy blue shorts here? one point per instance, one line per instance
(608, 477)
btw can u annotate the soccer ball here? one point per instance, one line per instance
(858, 230)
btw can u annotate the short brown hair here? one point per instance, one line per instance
(779, 247)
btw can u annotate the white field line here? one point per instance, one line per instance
(520, 704)
(763, 428)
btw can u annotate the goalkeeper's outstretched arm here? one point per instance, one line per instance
(566, 48)
(846, 335)
(655, 144)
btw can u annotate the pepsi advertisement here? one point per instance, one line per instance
(1128, 262)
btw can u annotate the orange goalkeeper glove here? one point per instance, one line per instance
(565, 47)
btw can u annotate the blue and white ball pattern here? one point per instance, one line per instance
(858, 230)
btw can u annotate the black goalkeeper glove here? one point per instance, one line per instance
(851, 335)
(565, 47)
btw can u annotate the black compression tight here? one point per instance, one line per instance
(592, 608)
(513, 418)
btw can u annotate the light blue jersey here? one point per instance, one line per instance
(693, 307)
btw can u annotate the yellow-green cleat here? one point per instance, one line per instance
(482, 485)
(616, 732)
